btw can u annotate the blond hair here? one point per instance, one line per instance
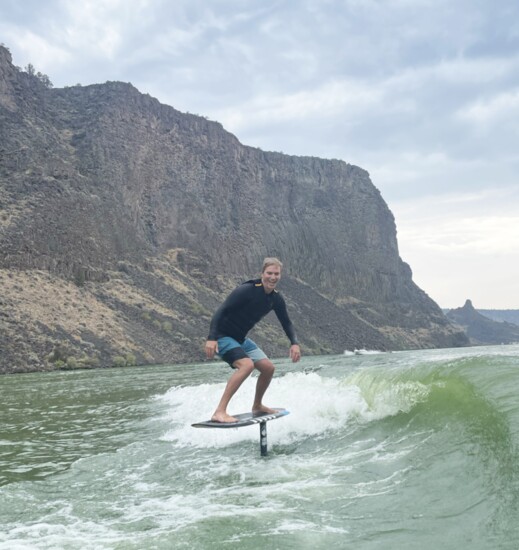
(271, 261)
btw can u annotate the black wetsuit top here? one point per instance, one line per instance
(244, 307)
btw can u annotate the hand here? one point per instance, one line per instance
(211, 347)
(295, 353)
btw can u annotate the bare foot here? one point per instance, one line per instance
(224, 418)
(263, 410)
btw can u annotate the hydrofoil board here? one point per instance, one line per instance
(244, 419)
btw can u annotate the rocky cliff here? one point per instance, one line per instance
(124, 223)
(500, 315)
(481, 329)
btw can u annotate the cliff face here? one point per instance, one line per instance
(501, 315)
(123, 224)
(481, 329)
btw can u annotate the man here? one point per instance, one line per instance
(243, 308)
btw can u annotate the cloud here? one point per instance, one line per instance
(35, 49)
(475, 235)
(326, 101)
(463, 245)
(94, 25)
(493, 110)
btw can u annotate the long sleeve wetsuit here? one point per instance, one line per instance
(245, 306)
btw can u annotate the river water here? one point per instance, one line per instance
(404, 450)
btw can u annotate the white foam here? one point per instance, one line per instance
(384, 395)
(294, 526)
(317, 404)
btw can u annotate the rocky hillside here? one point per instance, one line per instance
(481, 329)
(508, 315)
(124, 223)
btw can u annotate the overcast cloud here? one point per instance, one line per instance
(424, 94)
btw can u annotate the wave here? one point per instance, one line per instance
(447, 398)
(320, 402)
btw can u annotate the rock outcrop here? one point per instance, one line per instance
(481, 329)
(124, 223)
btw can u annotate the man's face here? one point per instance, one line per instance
(270, 277)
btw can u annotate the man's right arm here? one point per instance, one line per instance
(211, 348)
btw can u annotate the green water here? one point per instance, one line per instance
(394, 451)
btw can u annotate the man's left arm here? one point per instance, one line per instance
(295, 353)
(282, 314)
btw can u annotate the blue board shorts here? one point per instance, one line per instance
(230, 350)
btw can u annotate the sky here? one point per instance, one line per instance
(423, 94)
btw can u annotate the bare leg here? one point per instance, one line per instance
(243, 368)
(266, 370)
